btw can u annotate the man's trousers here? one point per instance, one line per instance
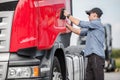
(95, 67)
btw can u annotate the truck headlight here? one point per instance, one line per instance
(23, 72)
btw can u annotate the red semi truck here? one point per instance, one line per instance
(33, 39)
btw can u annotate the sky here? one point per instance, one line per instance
(111, 14)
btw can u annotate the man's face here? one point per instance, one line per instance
(92, 16)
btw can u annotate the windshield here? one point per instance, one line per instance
(8, 5)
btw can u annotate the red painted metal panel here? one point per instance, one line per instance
(50, 26)
(36, 24)
(25, 25)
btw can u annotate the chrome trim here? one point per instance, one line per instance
(45, 69)
(3, 70)
(5, 30)
(4, 57)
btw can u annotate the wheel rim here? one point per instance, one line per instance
(56, 75)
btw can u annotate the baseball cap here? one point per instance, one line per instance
(98, 11)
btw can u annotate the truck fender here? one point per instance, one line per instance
(58, 51)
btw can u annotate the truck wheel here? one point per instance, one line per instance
(113, 65)
(56, 70)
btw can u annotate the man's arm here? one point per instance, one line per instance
(74, 30)
(71, 18)
(77, 31)
(84, 32)
(82, 24)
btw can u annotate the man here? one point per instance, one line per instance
(94, 49)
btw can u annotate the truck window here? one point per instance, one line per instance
(8, 6)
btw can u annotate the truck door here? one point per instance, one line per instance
(65, 36)
(49, 23)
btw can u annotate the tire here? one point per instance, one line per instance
(56, 70)
(113, 65)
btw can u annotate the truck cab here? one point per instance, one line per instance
(32, 40)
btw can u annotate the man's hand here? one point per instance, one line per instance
(69, 26)
(71, 18)
(66, 13)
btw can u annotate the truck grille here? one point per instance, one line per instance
(3, 70)
(5, 30)
(0, 19)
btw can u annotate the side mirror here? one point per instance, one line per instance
(62, 14)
